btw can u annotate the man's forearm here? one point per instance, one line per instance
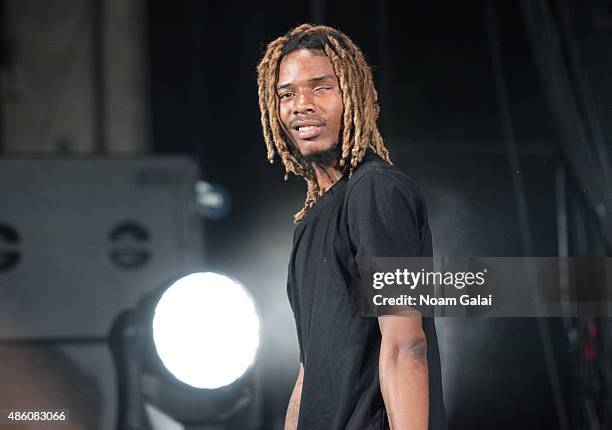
(293, 410)
(404, 384)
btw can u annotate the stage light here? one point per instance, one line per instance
(213, 200)
(206, 330)
(187, 352)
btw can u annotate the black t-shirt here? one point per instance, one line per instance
(379, 212)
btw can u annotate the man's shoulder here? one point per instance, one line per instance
(378, 175)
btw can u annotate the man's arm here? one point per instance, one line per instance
(403, 372)
(293, 410)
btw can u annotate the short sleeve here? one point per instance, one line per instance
(296, 319)
(290, 291)
(386, 215)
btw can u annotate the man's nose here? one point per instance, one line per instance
(304, 103)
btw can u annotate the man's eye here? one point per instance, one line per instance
(285, 95)
(319, 89)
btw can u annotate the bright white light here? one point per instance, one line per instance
(206, 330)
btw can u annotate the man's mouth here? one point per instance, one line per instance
(308, 129)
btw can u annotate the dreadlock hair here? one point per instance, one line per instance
(360, 102)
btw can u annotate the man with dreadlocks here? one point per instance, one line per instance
(318, 112)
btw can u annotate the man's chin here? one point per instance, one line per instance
(321, 157)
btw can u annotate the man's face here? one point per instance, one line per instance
(310, 100)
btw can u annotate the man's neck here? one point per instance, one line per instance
(326, 176)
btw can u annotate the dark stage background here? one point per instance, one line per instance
(500, 111)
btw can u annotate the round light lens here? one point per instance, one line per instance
(206, 330)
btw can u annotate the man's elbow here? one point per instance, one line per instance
(412, 350)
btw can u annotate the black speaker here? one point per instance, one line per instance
(83, 238)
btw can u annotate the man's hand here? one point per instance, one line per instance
(293, 410)
(403, 373)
